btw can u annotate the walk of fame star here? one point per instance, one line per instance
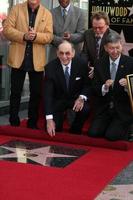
(131, 10)
(121, 187)
(116, 1)
(46, 155)
(126, 46)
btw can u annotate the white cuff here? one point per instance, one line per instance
(83, 97)
(49, 117)
(125, 89)
(104, 90)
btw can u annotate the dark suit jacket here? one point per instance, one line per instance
(55, 89)
(117, 94)
(89, 48)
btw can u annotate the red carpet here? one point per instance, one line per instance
(63, 137)
(84, 179)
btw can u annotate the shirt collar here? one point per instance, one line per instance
(69, 65)
(67, 8)
(115, 61)
(101, 35)
(35, 11)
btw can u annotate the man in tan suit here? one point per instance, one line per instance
(29, 28)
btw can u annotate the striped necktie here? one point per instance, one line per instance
(67, 76)
(64, 14)
(113, 71)
(97, 38)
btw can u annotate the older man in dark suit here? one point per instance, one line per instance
(66, 87)
(112, 114)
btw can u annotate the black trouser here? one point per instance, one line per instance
(81, 116)
(35, 87)
(109, 125)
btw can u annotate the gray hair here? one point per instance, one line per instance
(65, 42)
(112, 37)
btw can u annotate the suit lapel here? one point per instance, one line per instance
(26, 21)
(60, 20)
(119, 72)
(103, 42)
(61, 76)
(92, 42)
(106, 68)
(73, 74)
(69, 17)
(38, 17)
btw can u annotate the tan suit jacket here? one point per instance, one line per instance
(17, 24)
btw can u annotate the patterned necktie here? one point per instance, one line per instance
(97, 38)
(113, 71)
(112, 75)
(67, 76)
(64, 14)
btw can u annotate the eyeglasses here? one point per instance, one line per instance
(61, 53)
(99, 27)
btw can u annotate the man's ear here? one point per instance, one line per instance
(105, 47)
(57, 53)
(73, 52)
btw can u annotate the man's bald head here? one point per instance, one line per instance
(65, 52)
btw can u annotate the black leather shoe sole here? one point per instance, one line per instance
(130, 139)
(14, 122)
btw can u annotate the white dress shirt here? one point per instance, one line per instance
(67, 9)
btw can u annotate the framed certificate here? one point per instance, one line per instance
(130, 88)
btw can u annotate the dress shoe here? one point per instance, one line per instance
(130, 138)
(14, 121)
(14, 124)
